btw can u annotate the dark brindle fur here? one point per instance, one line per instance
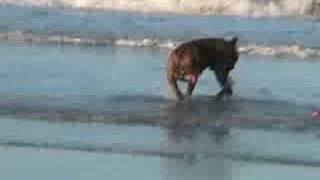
(187, 62)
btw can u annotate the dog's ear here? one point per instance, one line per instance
(234, 40)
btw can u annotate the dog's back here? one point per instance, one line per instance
(207, 52)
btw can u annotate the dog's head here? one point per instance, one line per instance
(227, 55)
(230, 54)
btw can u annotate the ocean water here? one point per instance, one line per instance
(126, 84)
(71, 70)
(274, 36)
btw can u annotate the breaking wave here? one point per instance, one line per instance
(221, 7)
(293, 50)
(251, 48)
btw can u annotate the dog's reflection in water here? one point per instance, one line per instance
(196, 127)
(188, 118)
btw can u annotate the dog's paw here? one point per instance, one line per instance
(218, 97)
(225, 93)
(180, 97)
(228, 92)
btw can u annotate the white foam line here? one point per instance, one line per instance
(252, 49)
(294, 50)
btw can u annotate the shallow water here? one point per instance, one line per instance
(80, 83)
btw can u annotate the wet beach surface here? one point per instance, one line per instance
(80, 111)
(128, 85)
(44, 150)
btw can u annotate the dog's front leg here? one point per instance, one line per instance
(190, 88)
(192, 81)
(174, 87)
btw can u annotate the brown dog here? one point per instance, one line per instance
(187, 61)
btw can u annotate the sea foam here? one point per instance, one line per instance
(250, 48)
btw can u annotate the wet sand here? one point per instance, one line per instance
(43, 150)
(51, 164)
